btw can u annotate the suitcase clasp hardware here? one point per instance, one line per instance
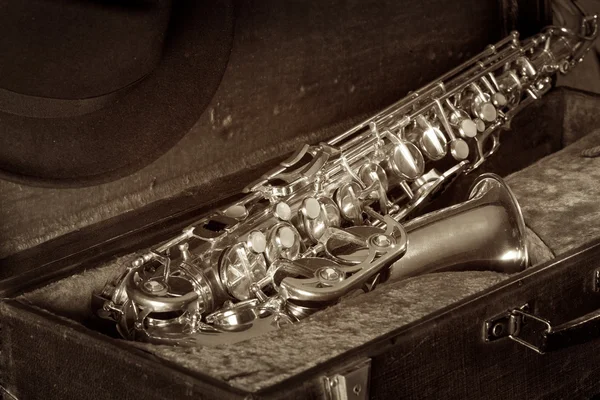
(351, 383)
(503, 325)
(518, 315)
(509, 325)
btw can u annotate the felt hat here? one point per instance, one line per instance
(93, 90)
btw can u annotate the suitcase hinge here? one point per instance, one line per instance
(350, 383)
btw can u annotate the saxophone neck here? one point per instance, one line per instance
(567, 44)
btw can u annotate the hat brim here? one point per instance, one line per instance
(139, 126)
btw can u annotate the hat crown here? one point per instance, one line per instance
(79, 49)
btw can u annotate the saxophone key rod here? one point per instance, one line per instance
(392, 109)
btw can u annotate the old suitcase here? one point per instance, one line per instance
(282, 74)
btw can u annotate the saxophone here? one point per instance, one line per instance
(342, 217)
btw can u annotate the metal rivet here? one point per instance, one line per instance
(153, 286)
(138, 262)
(185, 252)
(498, 329)
(382, 241)
(329, 274)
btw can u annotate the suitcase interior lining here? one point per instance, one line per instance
(559, 199)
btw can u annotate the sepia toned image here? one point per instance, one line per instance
(293, 199)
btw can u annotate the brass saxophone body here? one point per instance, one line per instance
(343, 216)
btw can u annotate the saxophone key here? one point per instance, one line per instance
(257, 242)
(373, 173)
(236, 211)
(497, 98)
(350, 206)
(283, 211)
(239, 268)
(460, 119)
(429, 138)
(374, 177)
(458, 147)
(479, 104)
(404, 161)
(283, 241)
(479, 124)
(510, 85)
(234, 317)
(316, 215)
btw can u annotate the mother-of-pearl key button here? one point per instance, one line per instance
(312, 208)
(283, 211)
(237, 211)
(499, 99)
(467, 128)
(286, 237)
(459, 149)
(257, 241)
(487, 112)
(480, 125)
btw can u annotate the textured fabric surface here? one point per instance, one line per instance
(55, 148)
(257, 363)
(560, 196)
(559, 200)
(70, 297)
(582, 113)
(338, 60)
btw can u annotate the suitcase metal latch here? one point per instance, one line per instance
(509, 325)
(351, 383)
(540, 335)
